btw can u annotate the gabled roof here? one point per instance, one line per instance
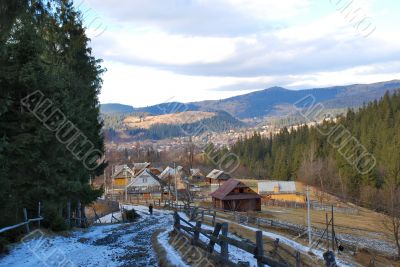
(223, 191)
(218, 174)
(148, 173)
(170, 172)
(139, 167)
(196, 172)
(120, 168)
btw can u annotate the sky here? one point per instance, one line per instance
(159, 51)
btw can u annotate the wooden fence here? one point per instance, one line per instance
(219, 236)
(26, 221)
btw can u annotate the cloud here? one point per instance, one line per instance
(272, 53)
(200, 17)
(211, 49)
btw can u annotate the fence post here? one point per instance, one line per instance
(79, 214)
(260, 249)
(215, 234)
(213, 218)
(39, 210)
(69, 213)
(202, 215)
(298, 259)
(196, 234)
(276, 246)
(224, 244)
(176, 221)
(26, 220)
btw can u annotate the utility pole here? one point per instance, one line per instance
(309, 218)
(176, 189)
(333, 232)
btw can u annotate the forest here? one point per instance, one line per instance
(45, 51)
(221, 122)
(333, 160)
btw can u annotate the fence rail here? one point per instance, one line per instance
(219, 236)
(26, 221)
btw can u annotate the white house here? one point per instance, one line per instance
(145, 183)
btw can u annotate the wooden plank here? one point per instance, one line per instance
(196, 231)
(259, 248)
(224, 244)
(215, 234)
(239, 244)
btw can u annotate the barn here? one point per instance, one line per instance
(236, 196)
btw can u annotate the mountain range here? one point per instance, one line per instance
(271, 101)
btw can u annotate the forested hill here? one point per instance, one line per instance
(338, 157)
(276, 100)
(116, 108)
(50, 132)
(143, 126)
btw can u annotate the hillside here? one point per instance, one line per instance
(357, 160)
(277, 101)
(146, 122)
(156, 127)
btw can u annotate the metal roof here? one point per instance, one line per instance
(218, 174)
(283, 186)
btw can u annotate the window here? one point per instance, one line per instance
(241, 190)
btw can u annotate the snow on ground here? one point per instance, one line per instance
(111, 245)
(173, 255)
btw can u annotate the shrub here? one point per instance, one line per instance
(131, 215)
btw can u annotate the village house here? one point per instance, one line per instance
(170, 175)
(290, 191)
(216, 178)
(236, 196)
(146, 184)
(122, 175)
(196, 175)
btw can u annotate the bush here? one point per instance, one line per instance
(58, 223)
(131, 215)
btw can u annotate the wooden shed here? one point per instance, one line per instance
(236, 196)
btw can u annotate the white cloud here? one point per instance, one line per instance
(209, 49)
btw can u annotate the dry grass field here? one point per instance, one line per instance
(175, 118)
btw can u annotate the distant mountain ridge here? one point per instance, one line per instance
(115, 108)
(270, 101)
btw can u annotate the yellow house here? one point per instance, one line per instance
(282, 191)
(122, 176)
